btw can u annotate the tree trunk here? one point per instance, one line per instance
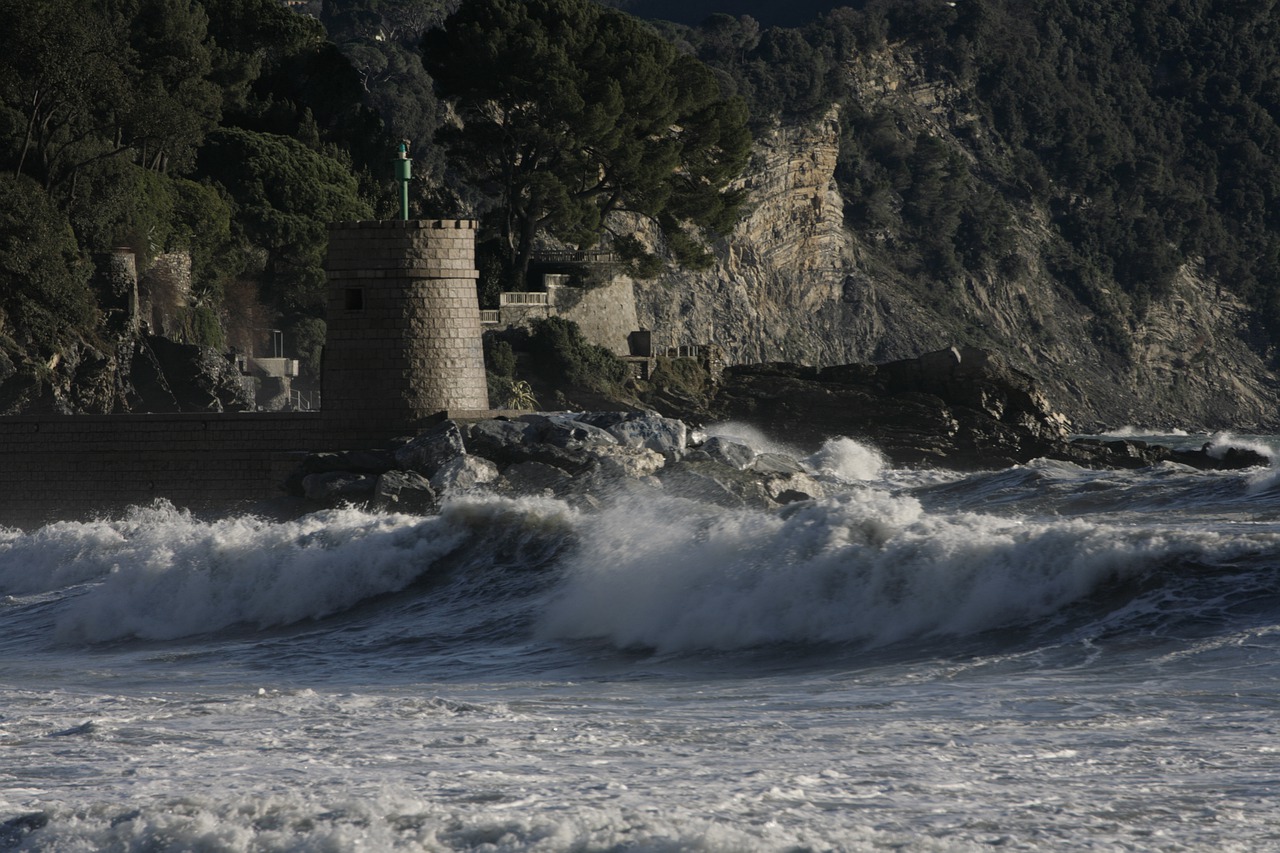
(524, 253)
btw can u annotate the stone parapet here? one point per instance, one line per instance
(75, 466)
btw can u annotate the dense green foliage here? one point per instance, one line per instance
(571, 112)
(1147, 130)
(565, 357)
(380, 38)
(286, 194)
(1140, 135)
(44, 289)
(229, 129)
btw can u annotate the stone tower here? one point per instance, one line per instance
(404, 341)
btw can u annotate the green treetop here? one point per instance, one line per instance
(570, 112)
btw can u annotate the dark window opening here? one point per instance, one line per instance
(355, 298)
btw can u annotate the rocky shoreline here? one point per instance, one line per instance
(957, 409)
(960, 408)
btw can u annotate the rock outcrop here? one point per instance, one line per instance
(956, 408)
(793, 284)
(140, 374)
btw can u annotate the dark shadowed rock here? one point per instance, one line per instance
(1129, 453)
(509, 442)
(430, 450)
(728, 452)
(500, 439)
(167, 376)
(957, 408)
(405, 491)
(349, 462)
(568, 433)
(338, 486)
(667, 436)
(536, 478)
(354, 461)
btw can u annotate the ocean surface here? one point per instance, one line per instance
(1037, 658)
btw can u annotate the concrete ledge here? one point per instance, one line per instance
(404, 225)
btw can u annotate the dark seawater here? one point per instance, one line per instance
(1038, 658)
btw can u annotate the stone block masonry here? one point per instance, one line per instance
(75, 466)
(404, 340)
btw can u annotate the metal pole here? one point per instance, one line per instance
(404, 172)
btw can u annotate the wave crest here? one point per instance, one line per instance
(867, 568)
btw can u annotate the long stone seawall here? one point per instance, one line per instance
(76, 466)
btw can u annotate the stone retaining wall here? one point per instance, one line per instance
(72, 466)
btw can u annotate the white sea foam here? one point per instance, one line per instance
(1142, 432)
(162, 574)
(185, 577)
(847, 460)
(867, 567)
(1222, 442)
(750, 436)
(313, 740)
(67, 553)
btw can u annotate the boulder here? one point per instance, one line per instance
(634, 463)
(430, 450)
(729, 452)
(338, 486)
(568, 433)
(535, 478)
(405, 491)
(1130, 453)
(507, 442)
(500, 440)
(463, 473)
(792, 487)
(353, 461)
(650, 430)
(715, 483)
(958, 408)
(776, 463)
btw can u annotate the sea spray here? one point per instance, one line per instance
(847, 461)
(163, 574)
(866, 567)
(1143, 433)
(67, 553)
(1224, 442)
(751, 436)
(1129, 705)
(188, 577)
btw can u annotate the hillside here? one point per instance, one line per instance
(1090, 189)
(1081, 193)
(769, 13)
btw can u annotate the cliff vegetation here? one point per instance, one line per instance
(1088, 188)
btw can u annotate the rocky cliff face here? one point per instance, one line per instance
(792, 283)
(126, 369)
